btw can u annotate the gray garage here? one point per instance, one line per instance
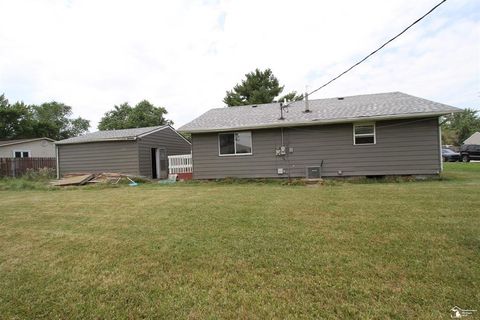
(138, 151)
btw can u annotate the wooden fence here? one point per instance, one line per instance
(15, 167)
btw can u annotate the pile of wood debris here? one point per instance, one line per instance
(79, 179)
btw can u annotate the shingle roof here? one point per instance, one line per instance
(112, 135)
(18, 141)
(334, 110)
(473, 139)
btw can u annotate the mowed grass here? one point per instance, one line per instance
(249, 251)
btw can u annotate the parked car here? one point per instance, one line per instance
(470, 152)
(450, 155)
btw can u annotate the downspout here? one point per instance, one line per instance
(139, 162)
(58, 162)
(440, 142)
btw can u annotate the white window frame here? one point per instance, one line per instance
(22, 151)
(362, 124)
(234, 145)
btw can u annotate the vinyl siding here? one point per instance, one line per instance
(167, 138)
(96, 157)
(402, 147)
(38, 149)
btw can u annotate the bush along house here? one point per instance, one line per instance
(366, 135)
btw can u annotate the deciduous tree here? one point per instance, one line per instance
(144, 114)
(52, 120)
(459, 126)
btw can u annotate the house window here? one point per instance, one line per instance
(235, 143)
(364, 133)
(21, 154)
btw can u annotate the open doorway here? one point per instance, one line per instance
(155, 163)
(159, 163)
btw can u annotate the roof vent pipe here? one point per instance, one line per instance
(307, 107)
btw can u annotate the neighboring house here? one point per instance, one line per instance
(375, 134)
(27, 148)
(473, 139)
(139, 151)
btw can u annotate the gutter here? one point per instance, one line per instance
(98, 140)
(321, 122)
(25, 141)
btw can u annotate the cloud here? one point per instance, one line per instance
(185, 54)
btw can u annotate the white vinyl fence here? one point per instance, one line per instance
(180, 164)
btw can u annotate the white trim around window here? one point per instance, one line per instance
(235, 138)
(22, 153)
(366, 126)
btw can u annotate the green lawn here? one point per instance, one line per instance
(348, 250)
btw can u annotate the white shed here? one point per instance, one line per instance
(27, 148)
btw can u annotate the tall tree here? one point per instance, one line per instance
(116, 118)
(15, 119)
(52, 120)
(460, 126)
(144, 114)
(258, 87)
(3, 101)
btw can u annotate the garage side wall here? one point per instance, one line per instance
(167, 138)
(96, 157)
(403, 147)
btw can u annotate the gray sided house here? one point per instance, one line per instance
(139, 151)
(366, 135)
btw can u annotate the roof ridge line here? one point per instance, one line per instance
(329, 98)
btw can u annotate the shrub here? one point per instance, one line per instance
(41, 174)
(23, 184)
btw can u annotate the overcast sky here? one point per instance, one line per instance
(184, 55)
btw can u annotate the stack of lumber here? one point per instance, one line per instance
(107, 178)
(73, 180)
(78, 179)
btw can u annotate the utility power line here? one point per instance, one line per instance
(379, 48)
